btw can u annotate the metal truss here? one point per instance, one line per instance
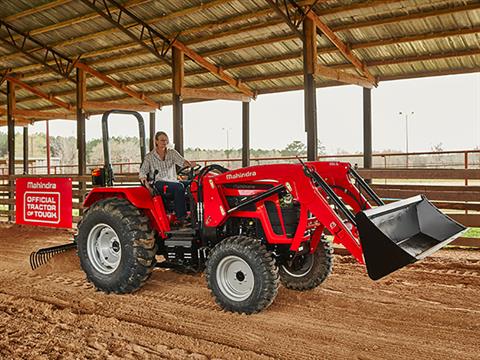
(145, 34)
(21, 41)
(292, 12)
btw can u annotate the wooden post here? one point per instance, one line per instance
(81, 142)
(152, 130)
(47, 141)
(177, 82)
(310, 100)
(367, 128)
(11, 104)
(81, 145)
(466, 167)
(245, 134)
(25, 149)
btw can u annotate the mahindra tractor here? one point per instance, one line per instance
(252, 229)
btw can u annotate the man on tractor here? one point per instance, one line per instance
(159, 167)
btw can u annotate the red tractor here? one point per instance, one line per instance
(252, 229)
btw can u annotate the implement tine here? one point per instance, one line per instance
(42, 256)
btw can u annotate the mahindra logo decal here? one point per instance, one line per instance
(241, 175)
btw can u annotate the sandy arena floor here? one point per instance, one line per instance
(430, 310)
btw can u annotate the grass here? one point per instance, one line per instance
(473, 232)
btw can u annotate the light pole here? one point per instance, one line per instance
(228, 147)
(407, 114)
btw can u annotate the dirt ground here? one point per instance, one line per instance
(430, 310)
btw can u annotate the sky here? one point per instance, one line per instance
(445, 110)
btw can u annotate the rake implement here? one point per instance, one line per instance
(42, 256)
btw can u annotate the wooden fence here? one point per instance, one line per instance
(448, 189)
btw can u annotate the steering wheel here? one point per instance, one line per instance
(191, 171)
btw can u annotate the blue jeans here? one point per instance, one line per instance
(177, 189)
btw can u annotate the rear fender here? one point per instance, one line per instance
(139, 197)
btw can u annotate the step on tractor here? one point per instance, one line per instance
(252, 229)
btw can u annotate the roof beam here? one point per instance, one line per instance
(153, 35)
(39, 93)
(194, 93)
(36, 9)
(44, 115)
(341, 76)
(344, 48)
(19, 121)
(109, 105)
(117, 85)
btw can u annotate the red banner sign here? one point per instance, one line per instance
(44, 202)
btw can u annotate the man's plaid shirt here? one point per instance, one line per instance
(166, 168)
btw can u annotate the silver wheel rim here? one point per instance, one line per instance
(104, 249)
(298, 274)
(235, 278)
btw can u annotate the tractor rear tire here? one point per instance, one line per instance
(308, 271)
(116, 246)
(242, 275)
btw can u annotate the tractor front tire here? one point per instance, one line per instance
(116, 246)
(242, 275)
(307, 271)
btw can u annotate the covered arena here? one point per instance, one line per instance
(65, 59)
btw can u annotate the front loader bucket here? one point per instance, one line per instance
(401, 233)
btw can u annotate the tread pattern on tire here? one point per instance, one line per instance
(265, 265)
(138, 233)
(322, 268)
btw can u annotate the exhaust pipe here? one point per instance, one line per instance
(403, 232)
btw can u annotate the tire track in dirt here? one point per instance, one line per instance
(59, 304)
(347, 317)
(89, 306)
(136, 347)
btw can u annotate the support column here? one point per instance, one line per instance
(367, 128)
(11, 104)
(47, 144)
(310, 99)
(177, 82)
(152, 130)
(81, 144)
(25, 149)
(245, 134)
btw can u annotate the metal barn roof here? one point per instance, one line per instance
(246, 40)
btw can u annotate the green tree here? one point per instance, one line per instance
(3, 144)
(294, 148)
